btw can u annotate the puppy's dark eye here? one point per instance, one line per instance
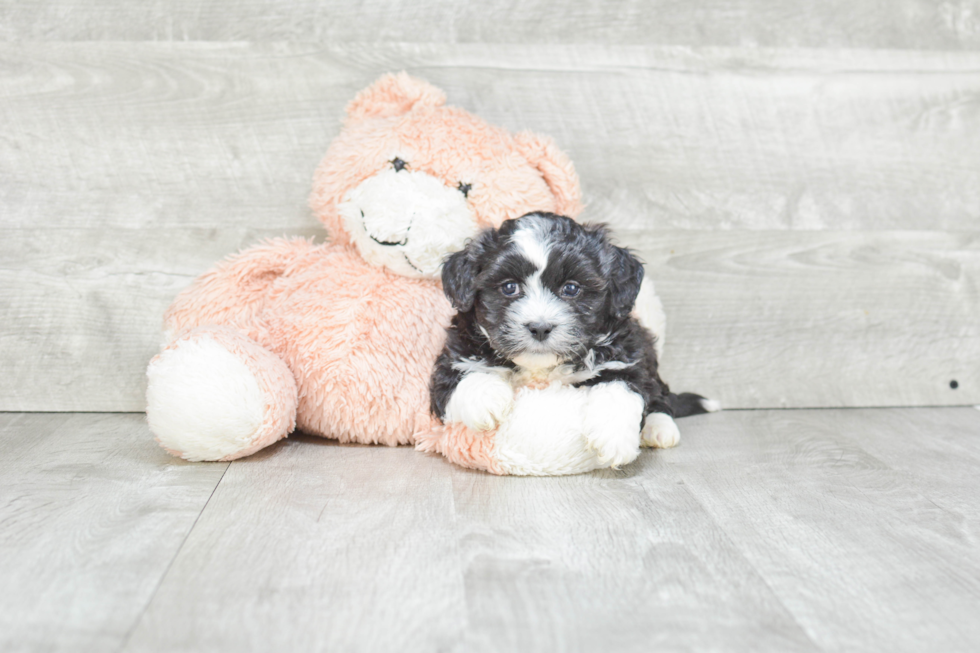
(570, 289)
(465, 189)
(399, 164)
(510, 288)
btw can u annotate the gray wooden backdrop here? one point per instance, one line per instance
(802, 180)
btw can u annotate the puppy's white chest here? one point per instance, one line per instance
(534, 370)
(537, 363)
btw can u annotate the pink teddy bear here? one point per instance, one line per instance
(339, 339)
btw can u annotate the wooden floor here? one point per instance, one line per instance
(765, 530)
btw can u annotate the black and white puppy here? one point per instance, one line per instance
(544, 299)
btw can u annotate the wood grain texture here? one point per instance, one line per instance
(83, 309)
(754, 319)
(618, 561)
(218, 135)
(312, 546)
(917, 24)
(91, 514)
(129, 168)
(853, 529)
(851, 547)
(811, 319)
(939, 458)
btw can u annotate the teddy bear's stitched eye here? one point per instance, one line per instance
(399, 164)
(465, 189)
(510, 288)
(570, 289)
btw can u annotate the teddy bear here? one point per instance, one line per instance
(339, 339)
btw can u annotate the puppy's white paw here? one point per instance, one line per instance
(481, 401)
(612, 423)
(613, 449)
(660, 431)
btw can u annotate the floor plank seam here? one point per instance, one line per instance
(72, 412)
(163, 576)
(460, 566)
(725, 408)
(735, 547)
(889, 407)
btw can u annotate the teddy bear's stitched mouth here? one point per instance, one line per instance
(388, 243)
(385, 243)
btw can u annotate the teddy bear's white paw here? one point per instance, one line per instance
(216, 395)
(660, 431)
(612, 421)
(481, 401)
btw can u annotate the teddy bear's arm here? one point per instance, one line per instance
(235, 290)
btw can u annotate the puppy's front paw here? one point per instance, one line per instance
(613, 423)
(481, 401)
(660, 431)
(612, 448)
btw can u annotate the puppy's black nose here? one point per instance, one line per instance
(540, 330)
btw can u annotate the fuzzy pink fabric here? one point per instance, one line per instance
(360, 341)
(462, 445)
(236, 290)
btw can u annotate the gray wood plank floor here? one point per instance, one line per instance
(91, 516)
(799, 530)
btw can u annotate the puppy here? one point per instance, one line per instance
(546, 300)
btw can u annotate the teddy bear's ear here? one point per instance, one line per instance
(393, 95)
(556, 168)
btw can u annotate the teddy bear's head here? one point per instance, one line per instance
(409, 180)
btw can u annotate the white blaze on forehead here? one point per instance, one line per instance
(538, 303)
(534, 244)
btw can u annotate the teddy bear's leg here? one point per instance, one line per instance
(215, 394)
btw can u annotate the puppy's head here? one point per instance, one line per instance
(544, 289)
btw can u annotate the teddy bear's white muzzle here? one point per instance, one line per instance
(407, 221)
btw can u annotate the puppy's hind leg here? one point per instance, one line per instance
(660, 431)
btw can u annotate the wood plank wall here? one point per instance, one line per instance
(803, 181)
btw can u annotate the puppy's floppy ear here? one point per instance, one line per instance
(625, 277)
(460, 270)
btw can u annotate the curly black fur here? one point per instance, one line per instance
(593, 329)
